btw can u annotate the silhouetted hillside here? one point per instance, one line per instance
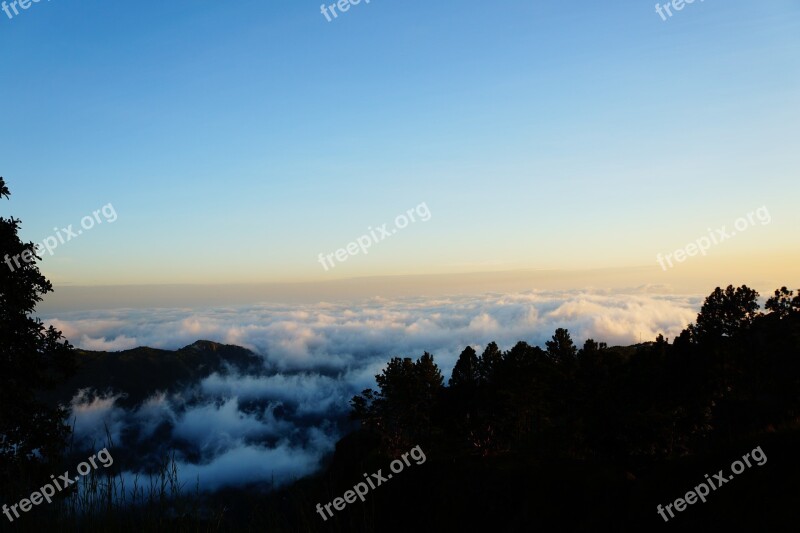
(141, 372)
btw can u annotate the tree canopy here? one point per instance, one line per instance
(735, 370)
(32, 359)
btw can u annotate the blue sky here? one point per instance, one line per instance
(238, 140)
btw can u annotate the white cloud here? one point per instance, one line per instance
(95, 417)
(279, 422)
(243, 464)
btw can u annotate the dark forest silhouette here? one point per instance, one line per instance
(581, 439)
(576, 439)
(735, 371)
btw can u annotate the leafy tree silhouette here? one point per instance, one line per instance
(32, 360)
(465, 373)
(782, 303)
(401, 413)
(726, 313)
(591, 347)
(488, 363)
(561, 348)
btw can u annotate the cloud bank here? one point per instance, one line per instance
(277, 424)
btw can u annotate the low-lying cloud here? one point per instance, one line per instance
(277, 424)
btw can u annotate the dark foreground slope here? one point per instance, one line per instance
(518, 493)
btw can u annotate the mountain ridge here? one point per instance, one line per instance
(140, 372)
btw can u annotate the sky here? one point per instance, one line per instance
(195, 167)
(236, 142)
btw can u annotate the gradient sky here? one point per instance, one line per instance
(238, 140)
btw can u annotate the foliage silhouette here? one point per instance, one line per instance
(734, 372)
(32, 359)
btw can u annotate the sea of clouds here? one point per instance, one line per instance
(275, 425)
